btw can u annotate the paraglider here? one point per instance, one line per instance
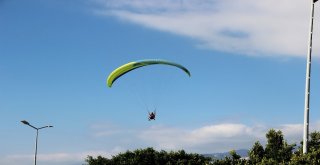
(152, 115)
(124, 69)
(117, 73)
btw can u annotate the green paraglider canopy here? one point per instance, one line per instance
(114, 75)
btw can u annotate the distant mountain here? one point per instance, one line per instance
(242, 152)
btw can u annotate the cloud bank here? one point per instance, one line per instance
(205, 139)
(215, 138)
(250, 27)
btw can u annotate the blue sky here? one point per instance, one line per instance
(247, 62)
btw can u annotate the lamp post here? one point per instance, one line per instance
(307, 89)
(27, 123)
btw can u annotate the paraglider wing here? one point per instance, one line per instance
(114, 75)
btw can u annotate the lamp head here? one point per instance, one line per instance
(25, 122)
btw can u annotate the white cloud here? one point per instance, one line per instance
(61, 158)
(292, 132)
(211, 138)
(216, 138)
(205, 139)
(260, 28)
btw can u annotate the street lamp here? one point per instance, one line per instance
(307, 89)
(27, 123)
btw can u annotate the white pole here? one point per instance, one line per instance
(307, 89)
(35, 154)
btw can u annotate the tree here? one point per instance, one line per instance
(256, 153)
(150, 156)
(314, 142)
(97, 161)
(277, 148)
(313, 154)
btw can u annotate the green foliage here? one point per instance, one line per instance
(313, 154)
(256, 153)
(150, 156)
(277, 148)
(314, 142)
(234, 155)
(229, 161)
(97, 161)
(276, 151)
